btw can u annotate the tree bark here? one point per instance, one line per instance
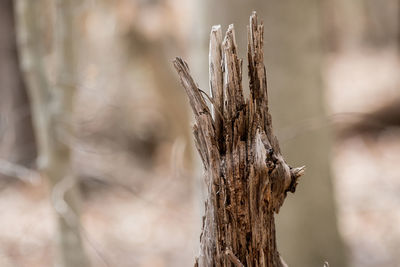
(247, 178)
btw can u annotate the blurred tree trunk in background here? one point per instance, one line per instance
(294, 55)
(16, 132)
(52, 112)
(307, 227)
(361, 23)
(381, 22)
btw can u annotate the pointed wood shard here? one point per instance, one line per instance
(246, 175)
(216, 80)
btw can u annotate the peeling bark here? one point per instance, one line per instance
(246, 176)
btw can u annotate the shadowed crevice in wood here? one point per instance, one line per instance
(246, 175)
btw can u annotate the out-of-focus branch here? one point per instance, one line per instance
(373, 123)
(18, 171)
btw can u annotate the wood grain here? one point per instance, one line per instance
(246, 175)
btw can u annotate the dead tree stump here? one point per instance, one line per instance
(246, 175)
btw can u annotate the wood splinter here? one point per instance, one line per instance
(246, 176)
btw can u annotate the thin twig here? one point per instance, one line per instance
(212, 102)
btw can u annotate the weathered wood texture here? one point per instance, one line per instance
(246, 175)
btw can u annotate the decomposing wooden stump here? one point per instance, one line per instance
(246, 175)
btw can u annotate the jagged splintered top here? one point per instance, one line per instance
(232, 117)
(225, 71)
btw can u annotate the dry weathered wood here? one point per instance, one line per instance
(246, 175)
(215, 72)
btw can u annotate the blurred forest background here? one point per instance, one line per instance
(97, 162)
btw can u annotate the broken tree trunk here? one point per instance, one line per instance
(246, 175)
